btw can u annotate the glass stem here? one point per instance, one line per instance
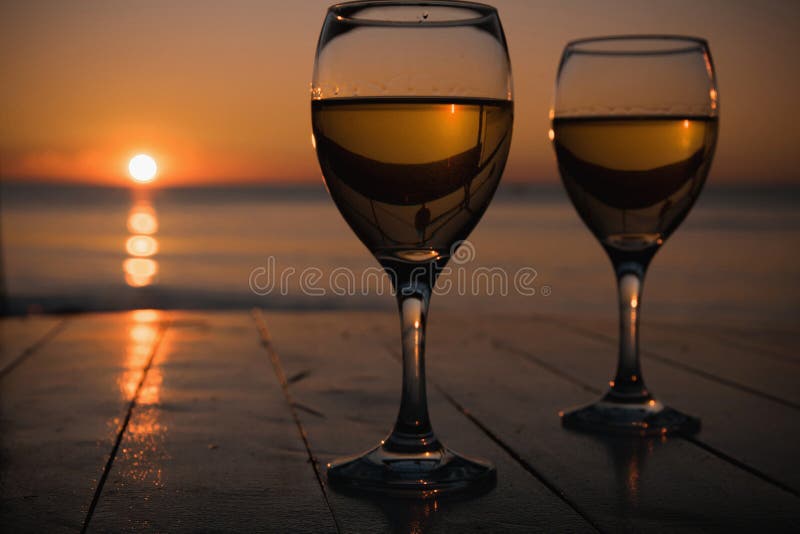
(628, 385)
(412, 432)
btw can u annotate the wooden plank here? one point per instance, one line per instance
(704, 352)
(660, 485)
(346, 388)
(743, 365)
(777, 339)
(59, 416)
(211, 444)
(734, 421)
(21, 335)
(772, 341)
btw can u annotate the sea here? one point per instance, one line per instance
(73, 248)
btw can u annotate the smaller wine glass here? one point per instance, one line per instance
(634, 128)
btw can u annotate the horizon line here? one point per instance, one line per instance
(304, 183)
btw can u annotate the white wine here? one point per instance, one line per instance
(634, 179)
(412, 176)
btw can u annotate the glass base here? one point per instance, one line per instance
(645, 418)
(415, 475)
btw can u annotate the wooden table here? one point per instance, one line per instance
(221, 421)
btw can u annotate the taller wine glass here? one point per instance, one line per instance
(634, 129)
(411, 113)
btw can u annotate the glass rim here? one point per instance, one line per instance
(344, 11)
(681, 44)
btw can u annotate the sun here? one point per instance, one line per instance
(142, 168)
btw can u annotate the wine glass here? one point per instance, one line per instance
(412, 115)
(634, 127)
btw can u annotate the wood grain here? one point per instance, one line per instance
(734, 421)
(20, 336)
(628, 485)
(348, 399)
(752, 366)
(60, 413)
(211, 445)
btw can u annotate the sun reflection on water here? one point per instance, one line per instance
(141, 245)
(139, 272)
(142, 219)
(140, 268)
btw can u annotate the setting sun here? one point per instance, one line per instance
(142, 168)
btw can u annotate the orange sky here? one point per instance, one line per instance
(217, 92)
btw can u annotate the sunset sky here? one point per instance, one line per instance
(218, 92)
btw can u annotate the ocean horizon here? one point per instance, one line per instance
(65, 249)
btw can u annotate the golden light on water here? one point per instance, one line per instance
(135, 280)
(139, 272)
(141, 245)
(143, 168)
(140, 268)
(142, 222)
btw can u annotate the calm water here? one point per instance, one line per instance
(735, 259)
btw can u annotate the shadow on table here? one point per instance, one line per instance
(629, 457)
(417, 516)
